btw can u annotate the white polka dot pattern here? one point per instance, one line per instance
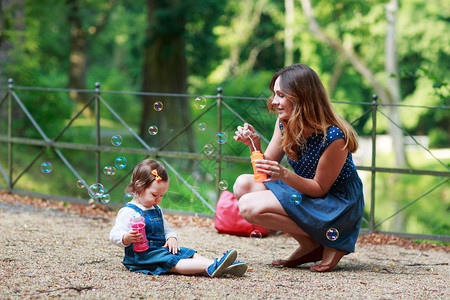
(306, 164)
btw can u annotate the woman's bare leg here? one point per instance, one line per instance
(263, 208)
(246, 184)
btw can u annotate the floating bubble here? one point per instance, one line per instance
(208, 149)
(120, 162)
(109, 170)
(128, 197)
(153, 130)
(200, 102)
(105, 198)
(221, 137)
(223, 185)
(202, 126)
(332, 234)
(80, 184)
(46, 167)
(296, 199)
(96, 190)
(158, 106)
(116, 140)
(255, 234)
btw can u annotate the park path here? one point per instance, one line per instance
(48, 253)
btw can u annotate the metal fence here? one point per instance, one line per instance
(10, 97)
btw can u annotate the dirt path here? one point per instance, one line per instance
(47, 253)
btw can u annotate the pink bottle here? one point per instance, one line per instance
(137, 223)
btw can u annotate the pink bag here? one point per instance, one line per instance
(229, 220)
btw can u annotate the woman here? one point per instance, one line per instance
(321, 203)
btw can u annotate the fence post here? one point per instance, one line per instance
(219, 146)
(10, 128)
(97, 130)
(374, 156)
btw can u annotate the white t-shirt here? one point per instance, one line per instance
(122, 225)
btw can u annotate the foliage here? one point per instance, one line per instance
(236, 45)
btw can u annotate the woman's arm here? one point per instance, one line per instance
(328, 168)
(274, 151)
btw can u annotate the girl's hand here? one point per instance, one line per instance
(244, 133)
(131, 236)
(172, 244)
(271, 168)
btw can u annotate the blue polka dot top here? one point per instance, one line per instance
(306, 164)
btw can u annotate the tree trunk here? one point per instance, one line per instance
(383, 94)
(165, 70)
(393, 84)
(289, 32)
(12, 18)
(78, 60)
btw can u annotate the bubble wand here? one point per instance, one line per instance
(259, 176)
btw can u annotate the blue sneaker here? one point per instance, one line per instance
(237, 268)
(218, 267)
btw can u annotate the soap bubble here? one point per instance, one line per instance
(120, 162)
(46, 167)
(332, 234)
(296, 199)
(221, 137)
(202, 126)
(80, 184)
(255, 234)
(96, 190)
(158, 106)
(116, 140)
(105, 198)
(153, 130)
(109, 170)
(128, 197)
(223, 185)
(200, 102)
(208, 149)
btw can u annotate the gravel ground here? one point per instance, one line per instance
(49, 253)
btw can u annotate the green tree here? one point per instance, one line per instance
(172, 28)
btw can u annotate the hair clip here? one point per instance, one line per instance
(157, 177)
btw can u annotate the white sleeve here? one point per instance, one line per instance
(168, 232)
(121, 227)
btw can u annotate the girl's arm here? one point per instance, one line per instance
(121, 227)
(171, 238)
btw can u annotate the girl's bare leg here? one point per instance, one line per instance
(197, 264)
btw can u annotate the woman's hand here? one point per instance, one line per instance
(246, 134)
(172, 244)
(271, 168)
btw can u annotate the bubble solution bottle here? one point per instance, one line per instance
(137, 223)
(259, 176)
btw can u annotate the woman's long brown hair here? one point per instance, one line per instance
(311, 108)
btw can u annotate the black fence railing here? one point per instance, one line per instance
(13, 110)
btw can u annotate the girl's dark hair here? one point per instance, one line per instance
(142, 175)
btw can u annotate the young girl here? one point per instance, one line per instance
(150, 181)
(320, 203)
